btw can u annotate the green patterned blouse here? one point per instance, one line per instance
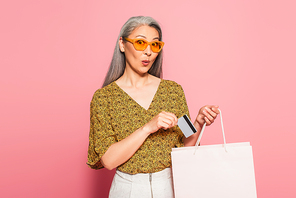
(114, 115)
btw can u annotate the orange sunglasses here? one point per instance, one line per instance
(142, 44)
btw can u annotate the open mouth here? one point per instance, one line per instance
(145, 62)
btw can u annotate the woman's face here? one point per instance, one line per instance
(140, 61)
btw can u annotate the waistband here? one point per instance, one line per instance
(144, 177)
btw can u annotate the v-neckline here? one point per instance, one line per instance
(155, 94)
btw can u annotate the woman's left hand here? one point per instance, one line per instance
(207, 114)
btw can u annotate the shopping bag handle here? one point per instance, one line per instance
(202, 130)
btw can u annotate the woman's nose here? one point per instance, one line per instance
(148, 51)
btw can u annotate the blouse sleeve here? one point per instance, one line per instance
(183, 110)
(101, 134)
(182, 102)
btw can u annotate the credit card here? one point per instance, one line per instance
(186, 126)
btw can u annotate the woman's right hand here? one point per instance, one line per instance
(163, 120)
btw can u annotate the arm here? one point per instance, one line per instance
(121, 151)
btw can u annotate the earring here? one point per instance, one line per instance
(122, 49)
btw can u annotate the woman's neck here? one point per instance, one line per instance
(133, 79)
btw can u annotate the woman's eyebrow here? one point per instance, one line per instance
(146, 38)
(141, 36)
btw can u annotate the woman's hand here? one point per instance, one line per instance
(207, 114)
(163, 120)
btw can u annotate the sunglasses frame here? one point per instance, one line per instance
(148, 43)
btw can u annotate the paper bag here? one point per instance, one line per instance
(214, 171)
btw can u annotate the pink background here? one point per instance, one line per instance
(55, 54)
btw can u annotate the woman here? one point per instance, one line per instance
(134, 115)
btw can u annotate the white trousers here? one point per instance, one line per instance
(142, 185)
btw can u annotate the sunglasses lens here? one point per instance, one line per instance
(140, 44)
(156, 46)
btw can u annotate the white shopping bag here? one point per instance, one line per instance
(214, 171)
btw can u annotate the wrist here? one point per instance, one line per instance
(197, 125)
(145, 130)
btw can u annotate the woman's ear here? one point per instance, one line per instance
(121, 44)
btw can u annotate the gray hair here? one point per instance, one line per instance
(117, 65)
